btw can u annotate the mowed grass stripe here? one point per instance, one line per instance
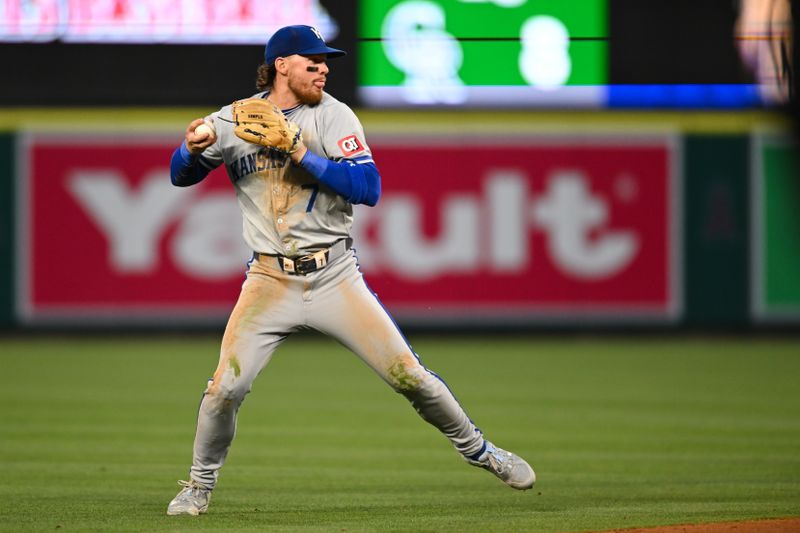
(622, 433)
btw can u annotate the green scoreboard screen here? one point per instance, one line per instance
(483, 52)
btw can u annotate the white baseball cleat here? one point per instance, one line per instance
(192, 499)
(510, 468)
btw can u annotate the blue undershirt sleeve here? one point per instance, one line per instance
(185, 169)
(357, 183)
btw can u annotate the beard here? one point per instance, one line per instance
(306, 95)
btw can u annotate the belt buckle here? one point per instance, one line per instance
(305, 265)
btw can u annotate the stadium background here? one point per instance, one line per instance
(719, 178)
(590, 347)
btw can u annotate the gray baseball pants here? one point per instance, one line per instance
(335, 301)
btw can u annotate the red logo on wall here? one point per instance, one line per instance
(527, 229)
(530, 229)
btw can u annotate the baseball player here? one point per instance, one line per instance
(299, 161)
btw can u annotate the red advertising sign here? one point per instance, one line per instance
(522, 230)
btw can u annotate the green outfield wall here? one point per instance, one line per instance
(706, 205)
(716, 229)
(7, 211)
(776, 229)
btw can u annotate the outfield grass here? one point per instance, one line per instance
(622, 433)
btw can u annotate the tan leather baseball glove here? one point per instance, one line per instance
(259, 121)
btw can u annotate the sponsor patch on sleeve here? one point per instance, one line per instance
(350, 145)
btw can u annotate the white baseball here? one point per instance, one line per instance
(205, 128)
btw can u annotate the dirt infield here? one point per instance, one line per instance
(780, 525)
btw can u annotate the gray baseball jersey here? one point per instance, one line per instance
(286, 210)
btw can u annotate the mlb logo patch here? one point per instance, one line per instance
(350, 145)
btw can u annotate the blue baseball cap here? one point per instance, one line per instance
(303, 40)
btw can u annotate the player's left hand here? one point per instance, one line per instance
(299, 153)
(259, 121)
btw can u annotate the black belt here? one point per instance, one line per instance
(300, 266)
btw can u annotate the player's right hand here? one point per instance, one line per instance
(197, 143)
